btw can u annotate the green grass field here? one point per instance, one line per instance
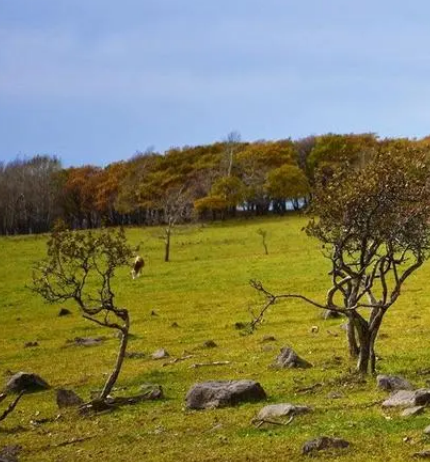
(205, 290)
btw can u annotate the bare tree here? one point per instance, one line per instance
(81, 266)
(373, 221)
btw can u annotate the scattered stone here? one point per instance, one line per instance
(422, 454)
(10, 453)
(335, 395)
(344, 326)
(64, 312)
(222, 393)
(392, 382)
(134, 355)
(31, 344)
(408, 398)
(152, 391)
(68, 398)
(174, 324)
(86, 341)
(281, 410)
(288, 359)
(322, 443)
(154, 313)
(26, 381)
(314, 329)
(209, 344)
(160, 354)
(426, 430)
(411, 411)
(240, 325)
(268, 338)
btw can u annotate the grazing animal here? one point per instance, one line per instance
(138, 264)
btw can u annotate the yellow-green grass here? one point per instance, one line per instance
(205, 290)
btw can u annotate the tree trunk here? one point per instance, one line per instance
(364, 340)
(110, 382)
(353, 347)
(167, 244)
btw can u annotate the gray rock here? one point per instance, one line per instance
(288, 358)
(281, 410)
(209, 344)
(223, 393)
(268, 338)
(160, 354)
(335, 395)
(86, 341)
(422, 454)
(426, 430)
(411, 411)
(26, 381)
(134, 354)
(408, 398)
(10, 453)
(322, 443)
(68, 398)
(392, 382)
(31, 344)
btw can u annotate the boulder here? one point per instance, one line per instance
(392, 382)
(64, 312)
(411, 411)
(223, 393)
(322, 443)
(408, 398)
(10, 453)
(68, 398)
(160, 354)
(26, 381)
(209, 344)
(86, 341)
(281, 410)
(289, 359)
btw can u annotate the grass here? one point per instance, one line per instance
(205, 290)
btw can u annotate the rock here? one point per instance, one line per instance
(240, 325)
(408, 398)
(174, 324)
(160, 354)
(68, 398)
(10, 453)
(87, 341)
(335, 395)
(423, 454)
(31, 344)
(152, 391)
(223, 393)
(209, 344)
(288, 358)
(411, 411)
(281, 410)
(315, 329)
(134, 354)
(322, 443)
(392, 382)
(268, 338)
(64, 312)
(26, 381)
(154, 313)
(426, 430)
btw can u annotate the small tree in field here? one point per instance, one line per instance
(373, 220)
(80, 267)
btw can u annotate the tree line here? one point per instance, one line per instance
(211, 181)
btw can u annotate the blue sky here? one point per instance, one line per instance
(95, 81)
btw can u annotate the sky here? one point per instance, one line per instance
(96, 81)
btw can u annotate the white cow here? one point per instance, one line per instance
(138, 264)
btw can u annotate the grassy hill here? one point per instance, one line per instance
(205, 291)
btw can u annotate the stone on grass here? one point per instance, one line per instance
(31, 344)
(281, 410)
(86, 341)
(160, 354)
(68, 398)
(411, 411)
(408, 398)
(134, 354)
(223, 393)
(10, 453)
(422, 454)
(26, 381)
(209, 344)
(322, 443)
(289, 359)
(152, 391)
(392, 382)
(268, 338)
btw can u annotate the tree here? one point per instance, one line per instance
(80, 266)
(373, 221)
